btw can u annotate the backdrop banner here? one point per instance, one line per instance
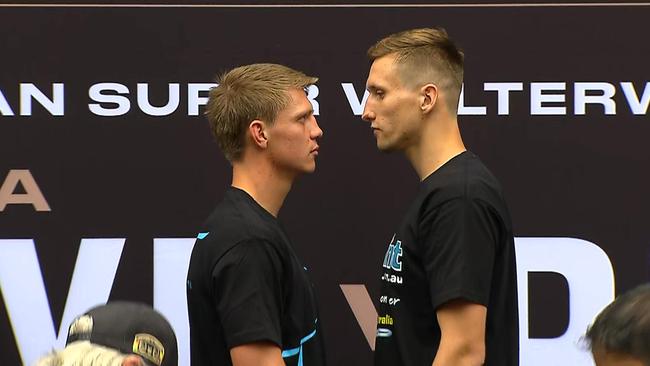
(108, 167)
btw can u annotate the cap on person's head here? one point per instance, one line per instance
(129, 327)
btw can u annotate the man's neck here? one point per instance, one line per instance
(263, 183)
(439, 142)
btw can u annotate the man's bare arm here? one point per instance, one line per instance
(257, 354)
(462, 327)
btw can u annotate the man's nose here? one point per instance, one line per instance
(316, 132)
(367, 115)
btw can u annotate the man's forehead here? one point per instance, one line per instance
(383, 72)
(297, 94)
(383, 65)
(298, 101)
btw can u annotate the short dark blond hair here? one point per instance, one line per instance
(425, 55)
(247, 93)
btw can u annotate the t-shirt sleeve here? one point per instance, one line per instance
(459, 238)
(248, 295)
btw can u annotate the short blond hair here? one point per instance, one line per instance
(425, 55)
(247, 93)
(83, 353)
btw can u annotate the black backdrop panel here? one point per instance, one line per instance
(141, 177)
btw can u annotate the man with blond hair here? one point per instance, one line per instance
(120, 333)
(449, 291)
(250, 300)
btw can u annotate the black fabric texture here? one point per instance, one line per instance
(246, 284)
(455, 242)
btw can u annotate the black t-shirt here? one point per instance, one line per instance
(455, 242)
(245, 284)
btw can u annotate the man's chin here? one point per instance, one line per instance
(386, 148)
(309, 169)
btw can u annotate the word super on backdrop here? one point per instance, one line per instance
(108, 168)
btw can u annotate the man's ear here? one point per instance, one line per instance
(429, 97)
(258, 132)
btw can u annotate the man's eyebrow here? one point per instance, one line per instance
(306, 113)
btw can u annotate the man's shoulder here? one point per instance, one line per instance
(236, 216)
(465, 176)
(231, 223)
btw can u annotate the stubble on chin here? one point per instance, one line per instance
(385, 147)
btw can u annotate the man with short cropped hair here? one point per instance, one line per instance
(449, 290)
(120, 333)
(249, 297)
(620, 335)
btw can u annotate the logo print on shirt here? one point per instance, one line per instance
(298, 350)
(385, 320)
(393, 254)
(384, 332)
